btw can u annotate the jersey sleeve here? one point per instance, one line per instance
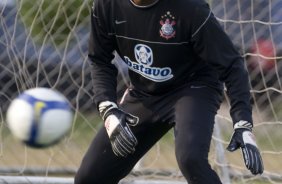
(101, 47)
(213, 46)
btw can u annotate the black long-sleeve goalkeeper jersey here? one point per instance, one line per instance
(166, 45)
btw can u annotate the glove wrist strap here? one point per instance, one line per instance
(105, 107)
(243, 124)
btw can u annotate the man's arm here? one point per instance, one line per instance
(101, 47)
(213, 46)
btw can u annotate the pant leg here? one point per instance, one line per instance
(195, 113)
(101, 166)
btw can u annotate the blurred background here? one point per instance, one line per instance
(44, 43)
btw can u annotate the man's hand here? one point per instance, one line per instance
(243, 138)
(117, 124)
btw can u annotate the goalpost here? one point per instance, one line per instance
(44, 43)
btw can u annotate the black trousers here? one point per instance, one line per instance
(190, 110)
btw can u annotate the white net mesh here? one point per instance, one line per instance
(44, 43)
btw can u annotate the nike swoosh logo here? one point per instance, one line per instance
(197, 87)
(120, 22)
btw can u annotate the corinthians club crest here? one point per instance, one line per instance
(167, 22)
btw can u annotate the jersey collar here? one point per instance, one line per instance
(147, 6)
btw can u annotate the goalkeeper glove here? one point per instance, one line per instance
(117, 123)
(243, 138)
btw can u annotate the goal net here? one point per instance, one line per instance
(44, 43)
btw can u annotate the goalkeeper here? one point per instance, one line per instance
(178, 59)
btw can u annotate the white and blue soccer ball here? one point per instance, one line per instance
(39, 117)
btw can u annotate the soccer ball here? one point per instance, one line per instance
(39, 117)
